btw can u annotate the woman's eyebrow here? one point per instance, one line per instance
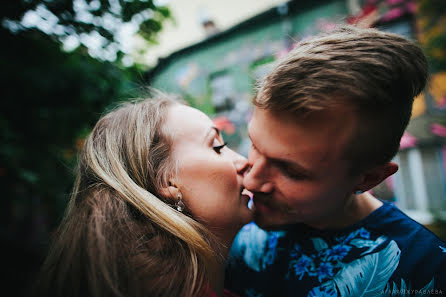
(211, 131)
(216, 130)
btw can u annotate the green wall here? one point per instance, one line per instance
(189, 71)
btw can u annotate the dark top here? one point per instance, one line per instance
(385, 254)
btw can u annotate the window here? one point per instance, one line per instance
(222, 91)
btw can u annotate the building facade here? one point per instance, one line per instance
(219, 75)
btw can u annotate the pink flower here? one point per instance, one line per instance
(393, 2)
(224, 124)
(393, 14)
(411, 7)
(438, 130)
(408, 140)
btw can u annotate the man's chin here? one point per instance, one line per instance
(266, 223)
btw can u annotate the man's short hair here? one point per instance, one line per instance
(376, 73)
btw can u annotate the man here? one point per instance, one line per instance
(327, 122)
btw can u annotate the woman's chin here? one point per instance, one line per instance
(247, 210)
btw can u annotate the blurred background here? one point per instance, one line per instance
(64, 62)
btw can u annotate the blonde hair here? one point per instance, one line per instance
(119, 236)
(377, 73)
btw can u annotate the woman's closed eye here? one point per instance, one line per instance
(218, 148)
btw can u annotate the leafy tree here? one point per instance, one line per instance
(50, 101)
(86, 21)
(431, 25)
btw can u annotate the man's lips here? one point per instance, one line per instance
(265, 203)
(262, 207)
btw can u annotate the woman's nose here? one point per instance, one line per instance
(241, 164)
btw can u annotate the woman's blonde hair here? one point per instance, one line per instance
(119, 236)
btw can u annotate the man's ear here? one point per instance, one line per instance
(374, 176)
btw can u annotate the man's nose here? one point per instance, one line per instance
(257, 179)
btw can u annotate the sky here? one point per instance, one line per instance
(183, 30)
(187, 29)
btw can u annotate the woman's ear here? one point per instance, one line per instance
(375, 176)
(169, 192)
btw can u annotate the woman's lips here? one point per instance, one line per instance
(248, 196)
(248, 193)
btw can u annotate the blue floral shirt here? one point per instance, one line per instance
(386, 254)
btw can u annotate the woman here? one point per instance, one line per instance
(156, 204)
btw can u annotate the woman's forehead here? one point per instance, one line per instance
(185, 121)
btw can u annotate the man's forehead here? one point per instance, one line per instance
(316, 139)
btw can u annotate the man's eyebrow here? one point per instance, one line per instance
(249, 135)
(291, 165)
(284, 162)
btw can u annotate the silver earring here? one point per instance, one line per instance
(179, 205)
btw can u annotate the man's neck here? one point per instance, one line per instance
(357, 208)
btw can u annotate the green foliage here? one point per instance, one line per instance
(97, 16)
(50, 101)
(431, 23)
